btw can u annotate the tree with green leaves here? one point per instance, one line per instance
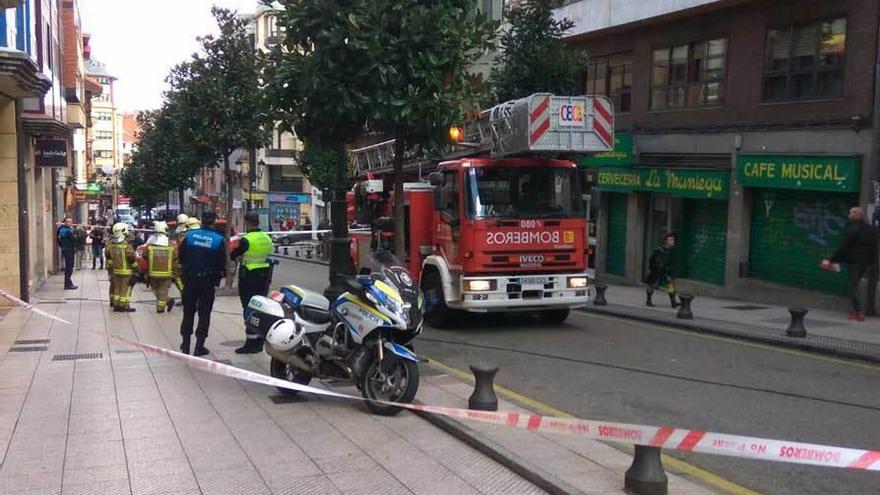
(140, 182)
(534, 57)
(320, 82)
(219, 97)
(319, 165)
(423, 51)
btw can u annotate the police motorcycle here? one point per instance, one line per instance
(364, 336)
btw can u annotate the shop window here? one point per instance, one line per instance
(805, 61)
(690, 75)
(611, 76)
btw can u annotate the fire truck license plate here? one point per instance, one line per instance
(537, 281)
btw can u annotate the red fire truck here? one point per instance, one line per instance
(500, 226)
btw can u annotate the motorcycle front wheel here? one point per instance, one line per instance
(284, 371)
(398, 384)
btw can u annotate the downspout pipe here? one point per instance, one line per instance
(23, 225)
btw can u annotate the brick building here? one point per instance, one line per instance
(746, 127)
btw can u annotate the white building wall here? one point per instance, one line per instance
(594, 15)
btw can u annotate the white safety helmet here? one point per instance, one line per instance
(160, 227)
(182, 218)
(119, 229)
(285, 334)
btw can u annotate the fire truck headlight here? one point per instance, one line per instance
(479, 285)
(577, 282)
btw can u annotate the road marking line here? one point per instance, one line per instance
(701, 474)
(731, 340)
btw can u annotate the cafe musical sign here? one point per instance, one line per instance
(817, 173)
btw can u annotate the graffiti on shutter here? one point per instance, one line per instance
(702, 242)
(791, 231)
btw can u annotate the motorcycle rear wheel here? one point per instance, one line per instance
(280, 369)
(404, 382)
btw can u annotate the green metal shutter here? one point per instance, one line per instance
(792, 231)
(702, 241)
(615, 257)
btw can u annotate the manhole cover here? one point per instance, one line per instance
(746, 307)
(29, 349)
(233, 343)
(31, 341)
(74, 357)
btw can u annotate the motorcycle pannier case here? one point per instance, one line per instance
(261, 313)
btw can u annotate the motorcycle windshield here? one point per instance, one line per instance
(385, 267)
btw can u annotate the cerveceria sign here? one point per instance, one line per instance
(50, 152)
(819, 173)
(712, 184)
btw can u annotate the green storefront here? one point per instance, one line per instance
(798, 215)
(691, 203)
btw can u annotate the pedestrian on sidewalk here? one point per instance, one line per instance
(80, 234)
(203, 261)
(661, 267)
(120, 262)
(161, 258)
(859, 252)
(98, 236)
(254, 274)
(67, 242)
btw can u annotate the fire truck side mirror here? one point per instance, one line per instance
(436, 179)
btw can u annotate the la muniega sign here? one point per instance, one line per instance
(711, 184)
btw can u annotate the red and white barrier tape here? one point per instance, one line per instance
(270, 232)
(681, 439)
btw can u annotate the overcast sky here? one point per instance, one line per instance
(140, 41)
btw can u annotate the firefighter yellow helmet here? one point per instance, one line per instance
(193, 223)
(119, 229)
(160, 227)
(182, 219)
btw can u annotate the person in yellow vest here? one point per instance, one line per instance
(120, 262)
(254, 274)
(161, 260)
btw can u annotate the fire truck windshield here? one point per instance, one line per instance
(523, 192)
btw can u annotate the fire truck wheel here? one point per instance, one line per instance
(437, 313)
(554, 316)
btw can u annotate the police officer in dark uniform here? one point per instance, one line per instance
(203, 263)
(254, 274)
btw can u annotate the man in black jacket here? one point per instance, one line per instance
(859, 251)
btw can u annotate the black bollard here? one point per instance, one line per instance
(276, 248)
(285, 251)
(599, 300)
(483, 398)
(646, 476)
(796, 328)
(684, 310)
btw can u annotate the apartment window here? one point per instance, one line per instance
(103, 154)
(805, 61)
(103, 134)
(106, 116)
(690, 75)
(611, 76)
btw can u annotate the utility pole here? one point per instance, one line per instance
(252, 174)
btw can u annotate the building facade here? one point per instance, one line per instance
(746, 128)
(106, 131)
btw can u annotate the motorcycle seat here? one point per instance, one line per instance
(314, 315)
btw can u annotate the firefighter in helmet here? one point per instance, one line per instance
(161, 259)
(120, 263)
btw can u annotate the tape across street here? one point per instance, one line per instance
(685, 440)
(271, 232)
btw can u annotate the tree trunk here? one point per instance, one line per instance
(167, 205)
(399, 211)
(230, 267)
(340, 244)
(180, 201)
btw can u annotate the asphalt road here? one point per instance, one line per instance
(604, 368)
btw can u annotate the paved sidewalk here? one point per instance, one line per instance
(828, 332)
(113, 421)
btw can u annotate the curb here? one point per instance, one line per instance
(304, 260)
(781, 340)
(476, 440)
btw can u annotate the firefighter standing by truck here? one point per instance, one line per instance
(161, 260)
(120, 263)
(254, 275)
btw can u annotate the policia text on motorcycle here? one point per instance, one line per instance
(203, 265)
(254, 275)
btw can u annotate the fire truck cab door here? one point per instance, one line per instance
(449, 226)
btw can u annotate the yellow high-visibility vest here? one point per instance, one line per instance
(119, 256)
(159, 261)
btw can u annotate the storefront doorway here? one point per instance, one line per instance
(664, 213)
